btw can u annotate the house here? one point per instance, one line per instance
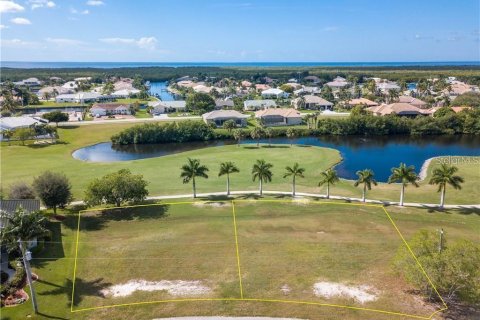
(245, 84)
(80, 97)
(219, 117)
(53, 91)
(103, 109)
(338, 83)
(274, 93)
(125, 93)
(262, 87)
(399, 108)
(306, 90)
(362, 102)
(7, 208)
(202, 88)
(312, 102)
(279, 117)
(387, 86)
(457, 88)
(223, 104)
(253, 105)
(413, 101)
(312, 79)
(30, 82)
(70, 85)
(159, 107)
(294, 85)
(13, 123)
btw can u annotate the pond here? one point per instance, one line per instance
(377, 153)
(159, 89)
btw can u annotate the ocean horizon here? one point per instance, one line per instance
(106, 65)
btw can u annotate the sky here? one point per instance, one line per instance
(240, 30)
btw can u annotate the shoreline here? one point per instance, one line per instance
(424, 169)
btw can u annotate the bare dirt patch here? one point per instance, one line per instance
(362, 293)
(177, 288)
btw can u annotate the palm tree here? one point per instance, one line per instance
(444, 175)
(256, 134)
(291, 134)
(329, 177)
(404, 175)
(229, 125)
(226, 168)
(294, 172)
(392, 95)
(365, 177)
(238, 135)
(191, 170)
(301, 102)
(308, 117)
(268, 133)
(22, 227)
(261, 170)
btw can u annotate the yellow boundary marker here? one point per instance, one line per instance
(242, 299)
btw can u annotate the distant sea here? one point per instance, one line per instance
(106, 65)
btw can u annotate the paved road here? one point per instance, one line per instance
(312, 195)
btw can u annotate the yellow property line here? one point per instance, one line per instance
(238, 263)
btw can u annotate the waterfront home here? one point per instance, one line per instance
(223, 104)
(279, 117)
(312, 102)
(338, 83)
(274, 93)
(125, 93)
(219, 117)
(253, 105)
(398, 108)
(413, 101)
(387, 86)
(361, 102)
(159, 107)
(80, 97)
(103, 109)
(30, 82)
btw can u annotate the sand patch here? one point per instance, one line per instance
(212, 204)
(361, 293)
(178, 288)
(301, 201)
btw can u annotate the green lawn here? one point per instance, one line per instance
(280, 244)
(22, 163)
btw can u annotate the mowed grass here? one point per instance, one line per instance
(279, 244)
(23, 163)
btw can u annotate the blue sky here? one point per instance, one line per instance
(240, 31)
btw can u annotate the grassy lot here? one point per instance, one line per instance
(22, 163)
(294, 244)
(142, 114)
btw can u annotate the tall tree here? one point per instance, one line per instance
(199, 103)
(329, 177)
(238, 134)
(268, 133)
(405, 176)
(257, 134)
(261, 170)
(53, 189)
(116, 188)
(365, 177)
(291, 134)
(227, 168)
(294, 172)
(443, 175)
(21, 227)
(55, 116)
(191, 170)
(229, 125)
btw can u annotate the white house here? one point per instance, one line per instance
(253, 105)
(13, 123)
(30, 82)
(312, 102)
(80, 97)
(125, 93)
(103, 109)
(219, 117)
(274, 93)
(159, 107)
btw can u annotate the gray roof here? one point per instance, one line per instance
(29, 205)
(222, 114)
(224, 103)
(170, 104)
(259, 103)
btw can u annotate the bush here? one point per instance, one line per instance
(159, 133)
(21, 190)
(53, 189)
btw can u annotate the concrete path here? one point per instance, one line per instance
(312, 195)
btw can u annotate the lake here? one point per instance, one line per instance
(377, 153)
(160, 89)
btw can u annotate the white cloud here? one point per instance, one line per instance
(10, 6)
(147, 43)
(75, 11)
(17, 43)
(35, 4)
(95, 3)
(2, 26)
(20, 21)
(65, 41)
